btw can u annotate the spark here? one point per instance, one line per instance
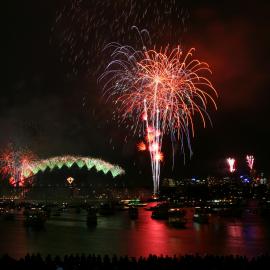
(159, 156)
(141, 146)
(82, 27)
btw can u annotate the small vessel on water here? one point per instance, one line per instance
(133, 212)
(265, 208)
(161, 211)
(57, 212)
(227, 208)
(126, 204)
(177, 217)
(136, 203)
(7, 214)
(201, 215)
(106, 209)
(35, 218)
(91, 219)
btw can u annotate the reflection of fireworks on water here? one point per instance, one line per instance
(164, 89)
(231, 163)
(14, 163)
(250, 161)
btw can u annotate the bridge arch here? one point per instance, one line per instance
(68, 161)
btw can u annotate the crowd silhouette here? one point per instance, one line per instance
(152, 262)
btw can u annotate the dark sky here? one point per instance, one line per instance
(52, 103)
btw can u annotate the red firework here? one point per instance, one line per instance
(165, 88)
(14, 163)
(141, 146)
(231, 163)
(250, 161)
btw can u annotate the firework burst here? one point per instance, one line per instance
(14, 163)
(163, 89)
(250, 161)
(231, 163)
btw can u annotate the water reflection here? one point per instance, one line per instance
(247, 237)
(147, 236)
(120, 235)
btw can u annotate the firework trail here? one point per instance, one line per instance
(13, 164)
(163, 89)
(250, 161)
(231, 163)
(83, 27)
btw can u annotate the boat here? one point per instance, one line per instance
(227, 208)
(230, 212)
(177, 217)
(47, 210)
(7, 214)
(151, 207)
(106, 209)
(122, 205)
(57, 212)
(35, 219)
(265, 208)
(133, 212)
(201, 215)
(91, 218)
(161, 211)
(136, 203)
(2, 211)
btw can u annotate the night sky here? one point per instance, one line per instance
(53, 106)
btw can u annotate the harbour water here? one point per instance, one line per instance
(118, 234)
